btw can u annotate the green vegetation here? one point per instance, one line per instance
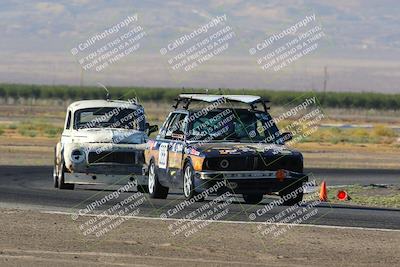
(1, 130)
(38, 128)
(12, 126)
(381, 130)
(329, 99)
(378, 135)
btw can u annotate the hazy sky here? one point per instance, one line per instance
(357, 40)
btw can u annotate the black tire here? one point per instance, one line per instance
(189, 191)
(61, 184)
(156, 190)
(291, 200)
(142, 188)
(252, 198)
(55, 176)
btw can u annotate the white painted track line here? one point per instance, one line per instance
(232, 222)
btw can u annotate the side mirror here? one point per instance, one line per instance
(152, 128)
(286, 136)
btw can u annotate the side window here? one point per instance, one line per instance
(166, 123)
(178, 123)
(68, 121)
(183, 126)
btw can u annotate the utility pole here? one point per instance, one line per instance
(325, 78)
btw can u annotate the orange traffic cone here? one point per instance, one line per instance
(342, 195)
(323, 193)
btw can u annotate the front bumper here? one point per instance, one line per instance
(247, 182)
(107, 179)
(235, 175)
(109, 168)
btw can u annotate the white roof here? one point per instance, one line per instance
(212, 98)
(102, 104)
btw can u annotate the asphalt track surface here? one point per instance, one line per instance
(23, 186)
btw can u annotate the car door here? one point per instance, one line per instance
(171, 148)
(177, 134)
(66, 137)
(162, 145)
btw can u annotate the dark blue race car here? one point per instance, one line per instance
(239, 149)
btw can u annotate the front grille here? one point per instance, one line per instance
(115, 157)
(286, 162)
(256, 163)
(235, 164)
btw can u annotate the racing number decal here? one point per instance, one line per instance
(163, 156)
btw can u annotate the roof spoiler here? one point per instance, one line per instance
(251, 100)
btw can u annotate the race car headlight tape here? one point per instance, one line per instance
(197, 163)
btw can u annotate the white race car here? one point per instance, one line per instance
(102, 143)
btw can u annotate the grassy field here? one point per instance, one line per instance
(379, 134)
(34, 125)
(28, 134)
(371, 195)
(47, 121)
(33, 128)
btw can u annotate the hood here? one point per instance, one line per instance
(215, 149)
(107, 135)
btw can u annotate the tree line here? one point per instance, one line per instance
(367, 100)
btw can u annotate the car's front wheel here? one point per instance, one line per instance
(156, 190)
(60, 181)
(188, 184)
(252, 198)
(55, 171)
(55, 176)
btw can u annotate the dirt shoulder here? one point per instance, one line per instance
(30, 238)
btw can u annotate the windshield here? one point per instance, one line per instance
(234, 125)
(109, 118)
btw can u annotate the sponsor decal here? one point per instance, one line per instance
(194, 152)
(228, 151)
(163, 156)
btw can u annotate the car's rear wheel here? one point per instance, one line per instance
(188, 184)
(156, 190)
(60, 181)
(290, 199)
(252, 198)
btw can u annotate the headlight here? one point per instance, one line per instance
(77, 156)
